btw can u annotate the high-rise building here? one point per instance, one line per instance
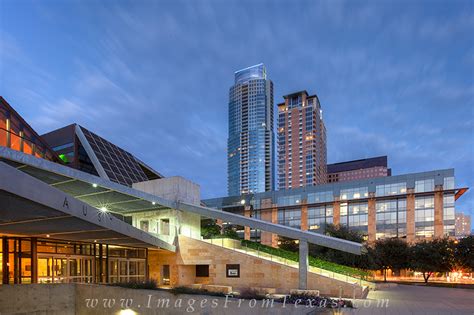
(358, 169)
(250, 146)
(302, 150)
(462, 224)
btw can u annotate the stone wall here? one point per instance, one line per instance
(254, 272)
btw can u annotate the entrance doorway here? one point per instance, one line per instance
(65, 269)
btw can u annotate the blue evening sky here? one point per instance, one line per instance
(394, 78)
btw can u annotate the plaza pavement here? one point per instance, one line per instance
(415, 299)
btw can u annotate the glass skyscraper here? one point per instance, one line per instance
(250, 146)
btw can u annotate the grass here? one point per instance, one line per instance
(313, 261)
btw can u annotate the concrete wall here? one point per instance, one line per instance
(85, 299)
(254, 272)
(172, 188)
(57, 299)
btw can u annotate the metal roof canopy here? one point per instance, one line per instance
(30, 207)
(99, 192)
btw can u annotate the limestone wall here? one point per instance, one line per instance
(254, 272)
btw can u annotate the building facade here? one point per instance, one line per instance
(412, 207)
(84, 150)
(358, 169)
(250, 146)
(302, 153)
(463, 225)
(17, 134)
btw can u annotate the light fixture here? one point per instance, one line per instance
(103, 209)
(242, 202)
(47, 235)
(94, 185)
(153, 203)
(95, 241)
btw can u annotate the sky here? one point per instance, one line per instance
(394, 78)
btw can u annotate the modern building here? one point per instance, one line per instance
(462, 225)
(82, 149)
(302, 153)
(15, 133)
(412, 206)
(59, 224)
(358, 169)
(250, 146)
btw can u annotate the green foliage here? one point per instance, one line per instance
(313, 261)
(465, 253)
(187, 290)
(391, 253)
(230, 231)
(210, 229)
(437, 255)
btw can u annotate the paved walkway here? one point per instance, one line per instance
(412, 299)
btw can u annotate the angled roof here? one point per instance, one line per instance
(29, 206)
(97, 192)
(109, 160)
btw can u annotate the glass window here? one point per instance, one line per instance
(424, 216)
(391, 189)
(290, 217)
(289, 200)
(425, 185)
(448, 183)
(318, 217)
(354, 193)
(317, 197)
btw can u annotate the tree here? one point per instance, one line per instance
(465, 253)
(390, 253)
(428, 257)
(210, 228)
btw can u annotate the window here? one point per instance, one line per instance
(318, 217)
(391, 189)
(324, 196)
(290, 217)
(448, 183)
(165, 226)
(289, 200)
(449, 214)
(354, 193)
(391, 218)
(425, 185)
(202, 270)
(424, 217)
(358, 215)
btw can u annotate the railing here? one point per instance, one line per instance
(239, 247)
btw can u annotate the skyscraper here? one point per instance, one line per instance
(301, 142)
(250, 146)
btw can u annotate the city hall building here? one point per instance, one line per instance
(411, 206)
(74, 208)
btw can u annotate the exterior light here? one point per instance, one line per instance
(47, 235)
(103, 209)
(242, 202)
(95, 241)
(153, 203)
(94, 185)
(127, 312)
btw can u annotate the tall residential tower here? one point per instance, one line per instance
(301, 142)
(250, 146)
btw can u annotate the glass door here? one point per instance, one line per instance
(60, 270)
(45, 269)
